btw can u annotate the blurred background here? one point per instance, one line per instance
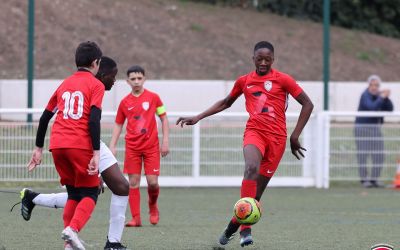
(192, 52)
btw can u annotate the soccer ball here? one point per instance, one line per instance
(247, 211)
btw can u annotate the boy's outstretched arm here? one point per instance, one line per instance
(306, 109)
(114, 138)
(165, 139)
(216, 108)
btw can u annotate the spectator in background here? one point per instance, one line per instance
(368, 132)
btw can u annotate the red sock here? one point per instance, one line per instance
(134, 201)
(243, 227)
(234, 220)
(69, 211)
(249, 188)
(153, 195)
(82, 213)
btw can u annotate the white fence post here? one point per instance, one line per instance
(326, 155)
(308, 143)
(196, 151)
(322, 150)
(319, 151)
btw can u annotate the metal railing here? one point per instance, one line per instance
(207, 154)
(210, 153)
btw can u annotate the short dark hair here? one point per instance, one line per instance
(264, 45)
(106, 65)
(135, 69)
(86, 53)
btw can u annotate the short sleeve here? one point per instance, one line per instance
(291, 86)
(237, 89)
(52, 104)
(160, 108)
(120, 118)
(97, 95)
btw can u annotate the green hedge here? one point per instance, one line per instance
(377, 16)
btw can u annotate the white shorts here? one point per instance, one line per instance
(107, 159)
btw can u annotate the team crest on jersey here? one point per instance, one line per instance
(146, 105)
(268, 85)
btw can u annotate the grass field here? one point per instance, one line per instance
(193, 218)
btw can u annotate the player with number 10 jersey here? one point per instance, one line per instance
(73, 100)
(75, 140)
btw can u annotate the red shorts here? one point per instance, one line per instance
(72, 165)
(271, 148)
(150, 159)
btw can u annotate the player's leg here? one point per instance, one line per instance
(53, 200)
(262, 183)
(74, 197)
(153, 190)
(252, 157)
(152, 170)
(249, 185)
(134, 200)
(86, 186)
(29, 199)
(62, 161)
(133, 167)
(119, 187)
(83, 211)
(67, 178)
(275, 148)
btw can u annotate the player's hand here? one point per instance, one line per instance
(101, 186)
(297, 149)
(93, 167)
(164, 149)
(187, 121)
(36, 159)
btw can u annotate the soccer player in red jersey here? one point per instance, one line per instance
(266, 92)
(75, 139)
(109, 170)
(141, 142)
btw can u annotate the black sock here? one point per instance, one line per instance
(231, 229)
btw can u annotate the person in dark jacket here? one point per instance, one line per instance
(368, 134)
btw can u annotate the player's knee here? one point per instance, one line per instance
(73, 193)
(89, 192)
(251, 171)
(122, 188)
(134, 182)
(153, 184)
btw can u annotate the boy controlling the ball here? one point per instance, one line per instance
(266, 92)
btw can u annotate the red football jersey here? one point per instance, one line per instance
(141, 130)
(266, 99)
(72, 102)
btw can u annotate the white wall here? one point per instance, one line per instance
(191, 96)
